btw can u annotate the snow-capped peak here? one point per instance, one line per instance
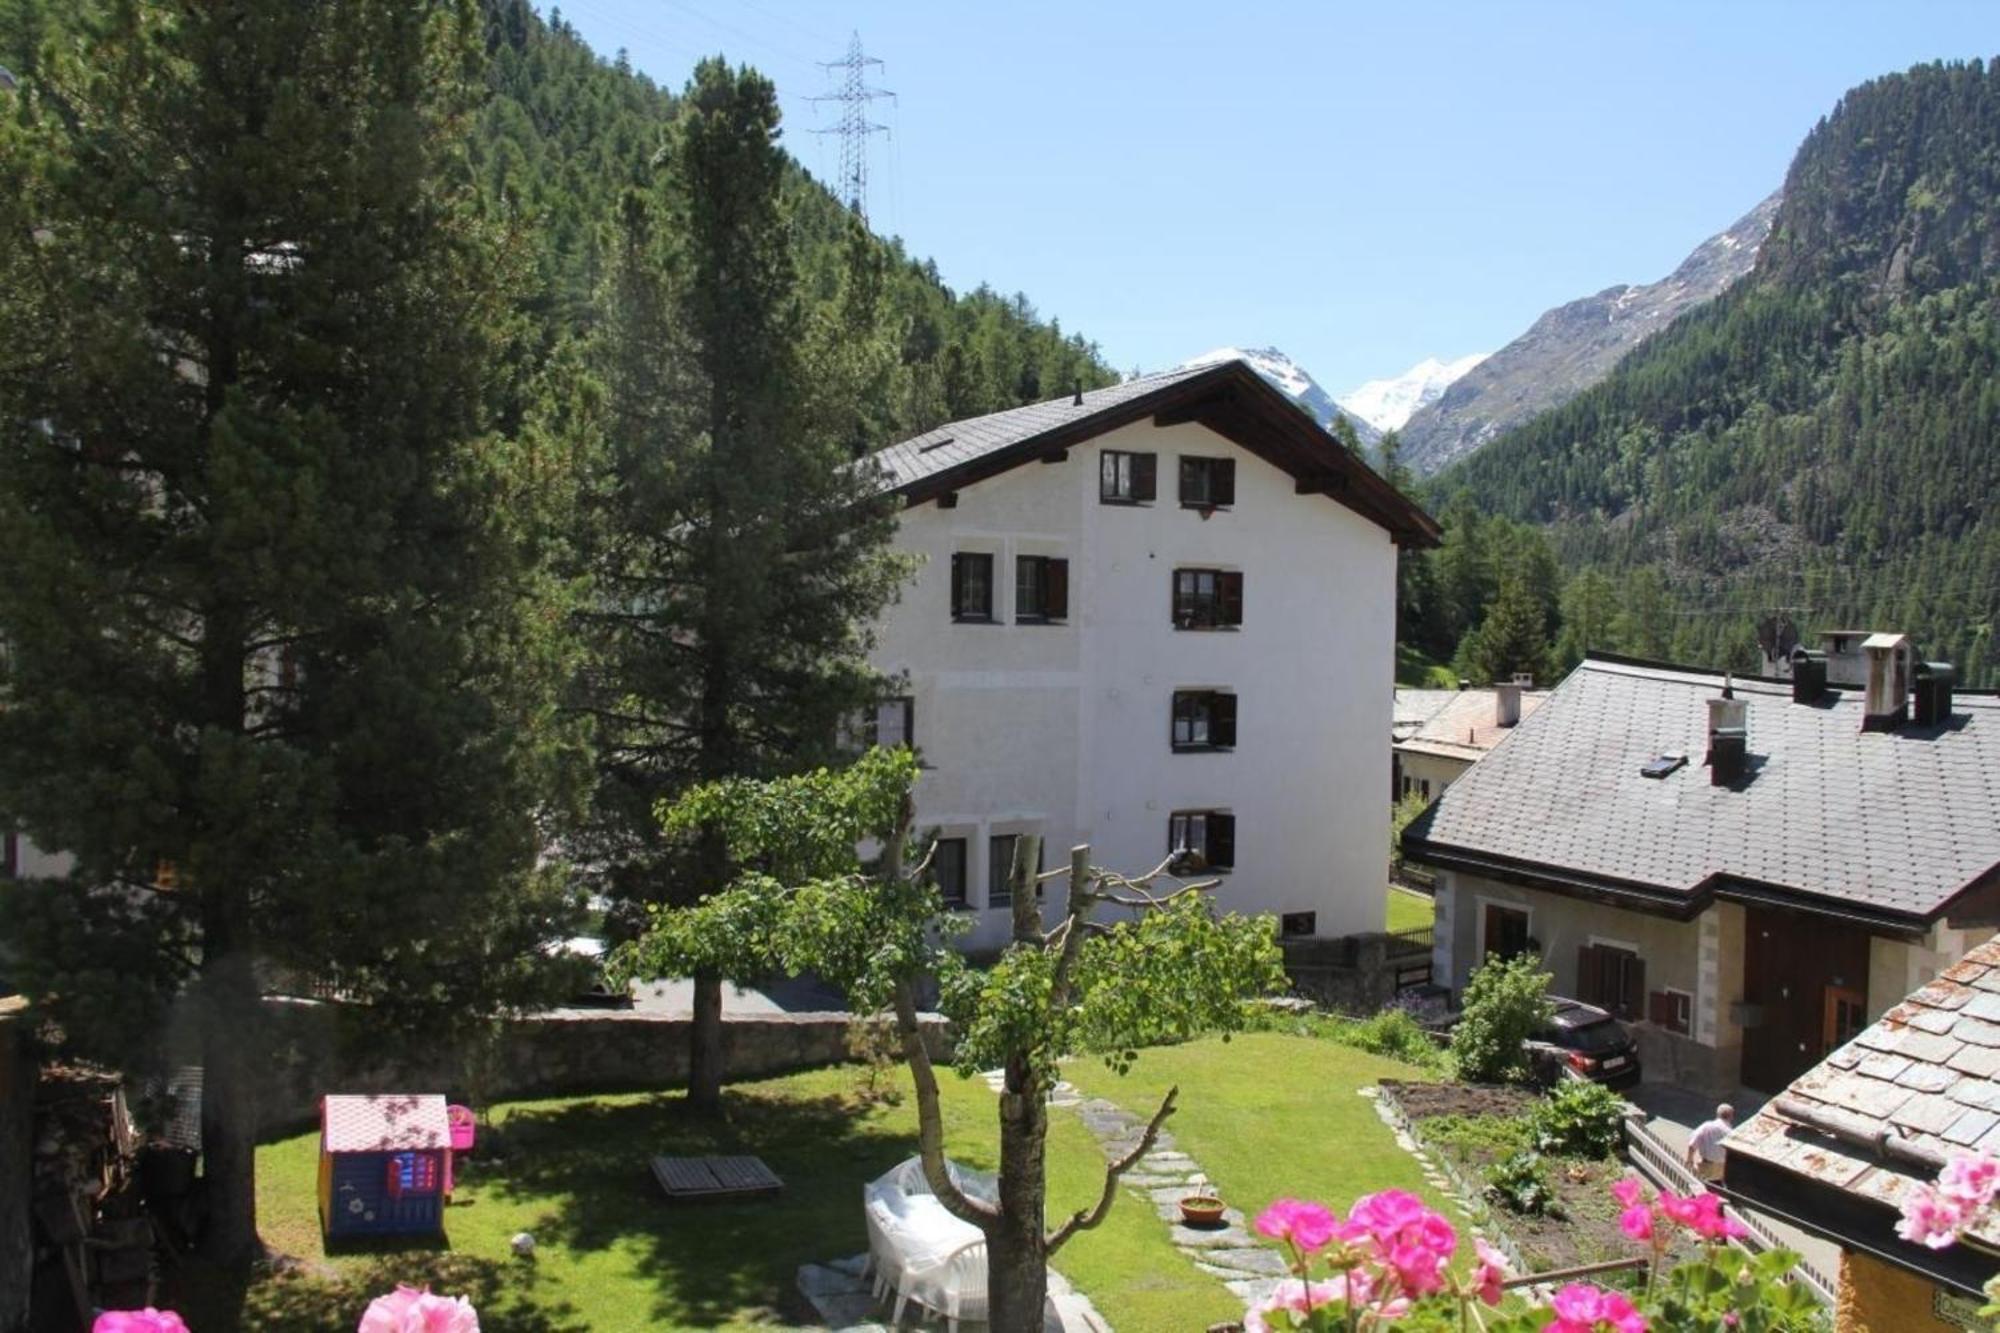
(1289, 376)
(1387, 404)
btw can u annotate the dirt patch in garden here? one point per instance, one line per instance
(1474, 1126)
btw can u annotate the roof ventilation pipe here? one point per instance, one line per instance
(1506, 705)
(1808, 675)
(1934, 682)
(1078, 400)
(1726, 712)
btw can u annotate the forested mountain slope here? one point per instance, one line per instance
(1824, 438)
(568, 132)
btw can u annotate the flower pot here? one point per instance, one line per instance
(1201, 1210)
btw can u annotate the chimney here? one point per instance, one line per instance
(1726, 712)
(1808, 676)
(1888, 697)
(1078, 400)
(1506, 705)
(1728, 755)
(1934, 682)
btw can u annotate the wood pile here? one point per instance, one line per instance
(92, 1236)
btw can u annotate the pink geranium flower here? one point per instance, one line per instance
(1309, 1226)
(1930, 1218)
(1970, 1181)
(147, 1320)
(1582, 1308)
(1489, 1273)
(1293, 1302)
(1410, 1238)
(1628, 1191)
(1637, 1222)
(1702, 1214)
(415, 1310)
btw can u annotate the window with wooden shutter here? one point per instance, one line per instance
(1000, 868)
(948, 870)
(1208, 483)
(1209, 834)
(972, 586)
(1672, 1010)
(1611, 978)
(1221, 841)
(1127, 478)
(1208, 598)
(1041, 589)
(1203, 720)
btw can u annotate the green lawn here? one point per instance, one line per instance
(613, 1255)
(1409, 911)
(1270, 1115)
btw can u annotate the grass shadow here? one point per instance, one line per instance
(300, 1299)
(587, 1165)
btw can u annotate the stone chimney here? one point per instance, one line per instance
(1888, 697)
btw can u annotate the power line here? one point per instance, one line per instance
(854, 128)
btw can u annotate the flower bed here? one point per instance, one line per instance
(1473, 1127)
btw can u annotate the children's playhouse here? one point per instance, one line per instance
(384, 1163)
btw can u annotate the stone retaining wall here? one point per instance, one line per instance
(566, 1051)
(17, 1147)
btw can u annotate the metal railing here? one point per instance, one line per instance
(1661, 1165)
(1418, 939)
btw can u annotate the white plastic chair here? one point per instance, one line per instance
(908, 1176)
(951, 1283)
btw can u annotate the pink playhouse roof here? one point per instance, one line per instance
(384, 1122)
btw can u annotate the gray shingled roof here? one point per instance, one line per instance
(1926, 1076)
(963, 441)
(1898, 821)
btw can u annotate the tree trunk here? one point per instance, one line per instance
(1017, 1272)
(229, 1072)
(705, 1044)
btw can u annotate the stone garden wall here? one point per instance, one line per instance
(566, 1051)
(17, 1146)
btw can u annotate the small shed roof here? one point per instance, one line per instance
(384, 1122)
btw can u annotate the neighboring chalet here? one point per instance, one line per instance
(1750, 873)
(1840, 1148)
(1154, 616)
(1441, 733)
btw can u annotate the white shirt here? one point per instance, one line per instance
(1706, 1141)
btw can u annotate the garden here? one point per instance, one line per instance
(1266, 1114)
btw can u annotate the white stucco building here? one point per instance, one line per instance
(1155, 615)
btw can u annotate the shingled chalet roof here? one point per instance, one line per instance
(1883, 1113)
(1885, 827)
(1467, 726)
(1228, 397)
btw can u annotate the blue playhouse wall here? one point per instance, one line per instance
(360, 1201)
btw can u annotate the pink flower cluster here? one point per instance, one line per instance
(415, 1310)
(1935, 1215)
(1582, 1308)
(1700, 1213)
(147, 1320)
(1388, 1251)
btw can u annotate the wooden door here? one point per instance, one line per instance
(1791, 961)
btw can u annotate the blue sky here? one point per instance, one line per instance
(1360, 185)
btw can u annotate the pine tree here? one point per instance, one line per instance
(1589, 611)
(744, 552)
(1512, 638)
(279, 669)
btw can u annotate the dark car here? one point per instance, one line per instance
(1590, 1043)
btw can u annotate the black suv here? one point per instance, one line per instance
(1590, 1043)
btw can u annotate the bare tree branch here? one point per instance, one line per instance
(1085, 1219)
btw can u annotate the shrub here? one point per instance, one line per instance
(1519, 1183)
(1579, 1119)
(1392, 1033)
(1486, 1135)
(1506, 1002)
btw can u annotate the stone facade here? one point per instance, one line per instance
(566, 1051)
(17, 1144)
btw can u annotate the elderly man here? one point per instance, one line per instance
(1704, 1150)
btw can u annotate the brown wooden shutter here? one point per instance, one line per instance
(1229, 584)
(1632, 1002)
(1222, 840)
(1589, 973)
(957, 586)
(1055, 592)
(1222, 481)
(1222, 719)
(1145, 476)
(1189, 467)
(1660, 1009)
